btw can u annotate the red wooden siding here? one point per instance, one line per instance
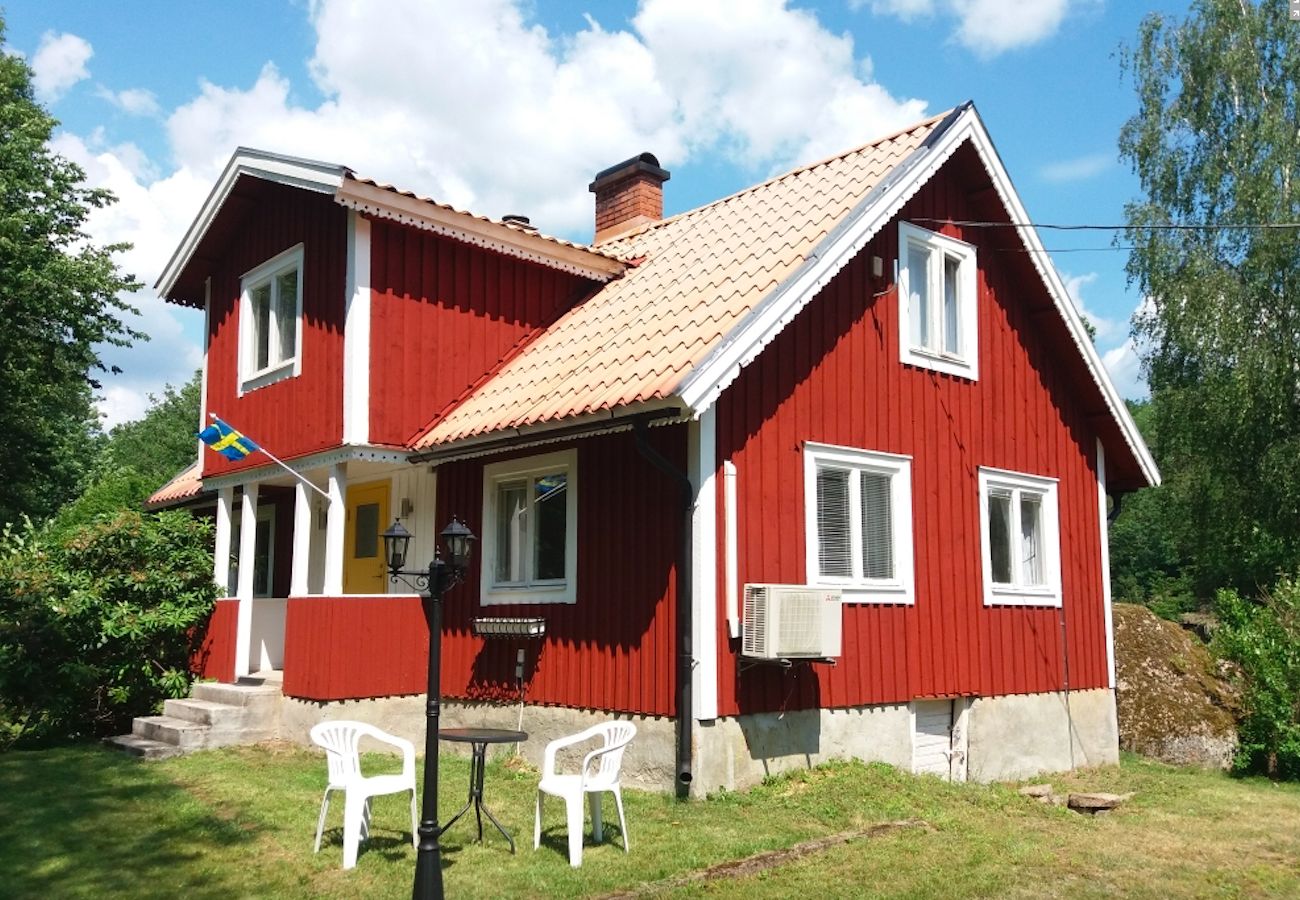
(834, 376)
(215, 655)
(299, 415)
(443, 314)
(340, 648)
(612, 650)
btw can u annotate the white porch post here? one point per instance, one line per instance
(221, 552)
(300, 565)
(334, 533)
(247, 546)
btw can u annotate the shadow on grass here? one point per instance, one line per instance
(53, 845)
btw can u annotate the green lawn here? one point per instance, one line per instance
(85, 822)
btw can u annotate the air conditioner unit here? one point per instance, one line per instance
(791, 621)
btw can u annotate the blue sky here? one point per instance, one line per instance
(501, 106)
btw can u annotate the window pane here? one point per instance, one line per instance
(550, 493)
(1031, 538)
(1000, 536)
(262, 559)
(365, 543)
(512, 501)
(833, 523)
(951, 327)
(260, 300)
(286, 314)
(918, 301)
(877, 527)
(232, 570)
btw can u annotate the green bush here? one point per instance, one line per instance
(1263, 638)
(97, 622)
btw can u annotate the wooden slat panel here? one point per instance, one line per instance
(215, 655)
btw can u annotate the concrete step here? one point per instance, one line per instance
(207, 712)
(237, 694)
(144, 748)
(189, 735)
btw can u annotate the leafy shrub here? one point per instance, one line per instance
(1263, 638)
(97, 622)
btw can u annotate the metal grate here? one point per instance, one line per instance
(508, 627)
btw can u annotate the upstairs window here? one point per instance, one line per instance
(937, 303)
(530, 530)
(1020, 534)
(271, 316)
(859, 522)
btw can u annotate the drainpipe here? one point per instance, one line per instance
(685, 650)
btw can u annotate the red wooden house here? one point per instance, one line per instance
(862, 379)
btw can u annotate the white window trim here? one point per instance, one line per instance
(492, 594)
(251, 378)
(965, 364)
(1048, 594)
(901, 588)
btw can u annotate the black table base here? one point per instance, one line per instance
(478, 739)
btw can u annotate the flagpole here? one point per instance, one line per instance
(275, 459)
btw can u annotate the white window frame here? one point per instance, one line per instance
(964, 363)
(1019, 484)
(857, 588)
(563, 590)
(251, 376)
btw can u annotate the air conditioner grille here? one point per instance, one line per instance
(791, 621)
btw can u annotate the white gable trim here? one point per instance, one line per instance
(388, 204)
(356, 333)
(701, 388)
(302, 173)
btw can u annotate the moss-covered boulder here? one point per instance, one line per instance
(1175, 702)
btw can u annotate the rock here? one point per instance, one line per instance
(1041, 791)
(1096, 803)
(1174, 701)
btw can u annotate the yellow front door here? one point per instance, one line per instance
(363, 553)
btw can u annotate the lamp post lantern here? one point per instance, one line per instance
(440, 577)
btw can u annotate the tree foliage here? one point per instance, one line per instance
(60, 299)
(1214, 143)
(162, 442)
(1264, 640)
(97, 625)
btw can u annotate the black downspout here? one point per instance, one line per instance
(685, 650)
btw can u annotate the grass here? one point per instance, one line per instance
(85, 822)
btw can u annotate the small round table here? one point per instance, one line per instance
(478, 739)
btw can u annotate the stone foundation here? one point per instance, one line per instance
(1009, 738)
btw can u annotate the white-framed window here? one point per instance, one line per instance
(858, 510)
(937, 302)
(530, 530)
(270, 313)
(263, 554)
(1020, 535)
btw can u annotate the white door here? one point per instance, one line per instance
(938, 738)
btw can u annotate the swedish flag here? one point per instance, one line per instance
(227, 441)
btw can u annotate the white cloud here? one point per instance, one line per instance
(476, 105)
(59, 63)
(907, 10)
(1079, 168)
(986, 27)
(1106, 328)
(134, 101)
(1124, 367)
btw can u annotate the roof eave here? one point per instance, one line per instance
(380, 201)
(303, 173)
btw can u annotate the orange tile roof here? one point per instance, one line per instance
(697, 275)
(185, 485)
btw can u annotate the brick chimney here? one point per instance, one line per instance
(627, 195)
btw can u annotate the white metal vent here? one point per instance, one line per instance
(787, 621)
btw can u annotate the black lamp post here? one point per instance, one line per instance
(441, 576)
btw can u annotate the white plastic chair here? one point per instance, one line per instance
(340, 740)
(600, 773)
